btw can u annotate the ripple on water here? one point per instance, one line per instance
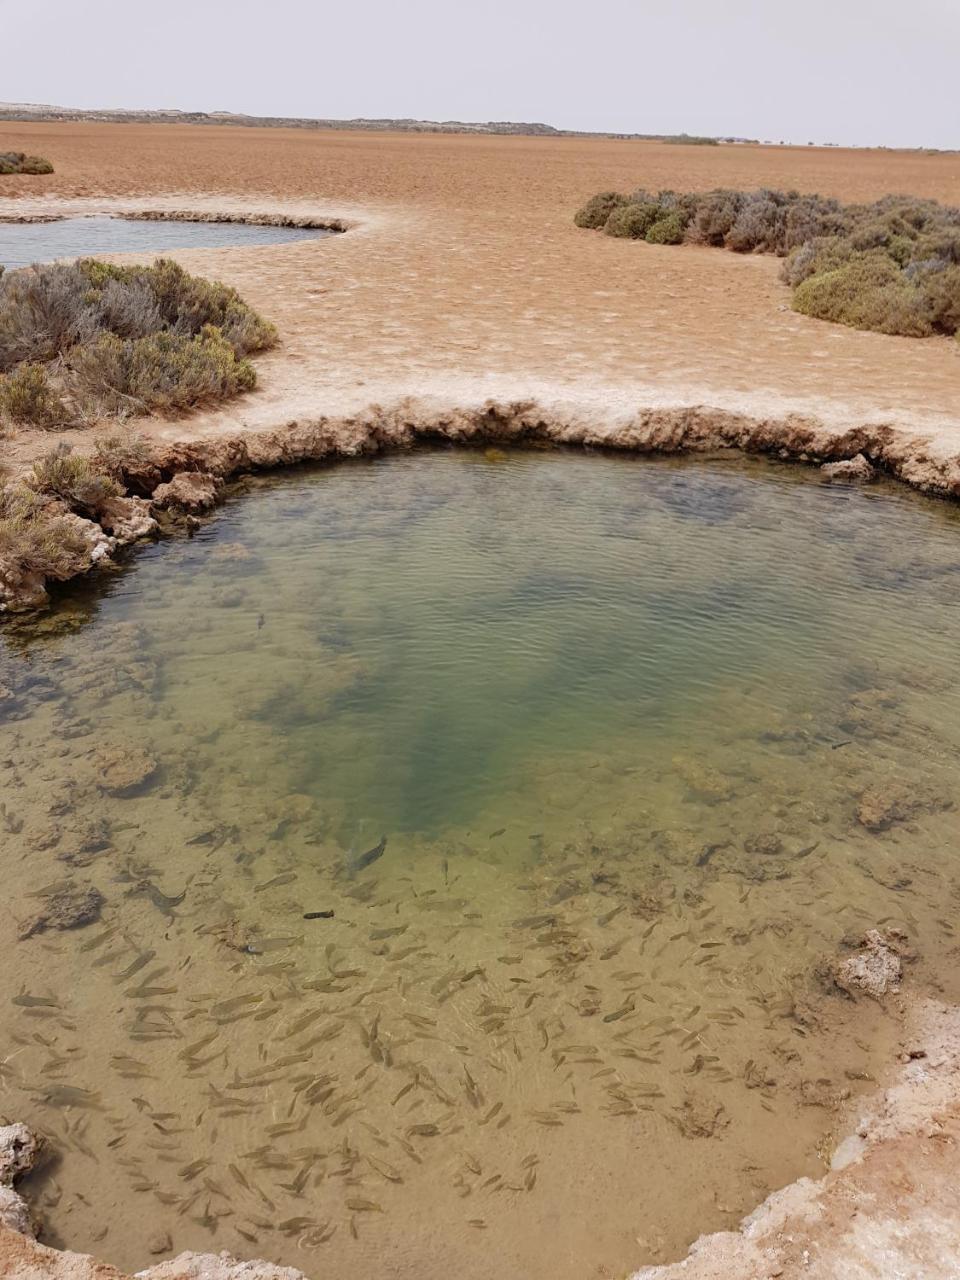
(614, 718)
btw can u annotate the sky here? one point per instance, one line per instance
(865, 72)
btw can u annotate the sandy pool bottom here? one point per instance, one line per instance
(646, 741)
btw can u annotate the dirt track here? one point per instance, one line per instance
(463, 276)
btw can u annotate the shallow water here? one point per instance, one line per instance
(614, 718)
(24, 243)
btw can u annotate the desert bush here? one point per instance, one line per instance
(717, 211)
(121, 340)
(868, 292)
(124, 376)
(598, 209)
(74, 479)
(632, 221)
(36, 540)
(892, 266)
(122, 453)
(941, 288)
(18, 162)
(27, 396)
(43, 311)
(668, 229)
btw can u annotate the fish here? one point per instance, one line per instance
(288, 877)
(162, 901)
(318, 915)
(364, 860)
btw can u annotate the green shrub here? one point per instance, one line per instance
(868, 292)
(18, 162)
(598, 209)
(668, 229)
(73, 479)
(632, 221)
(26, 395)
(165, 370)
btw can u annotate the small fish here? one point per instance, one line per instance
(36, 1002)
(499, 832)
(318, 915)
(288, 877)
(364, 860)
(162, 901)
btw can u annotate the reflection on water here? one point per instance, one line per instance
(615, 719)
(24, 243)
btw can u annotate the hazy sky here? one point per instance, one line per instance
(849, 71)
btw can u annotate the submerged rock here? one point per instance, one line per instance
(886, 804)
(850, 469)
(123, 771)
(876, 968)
(189, 491)
(69, 908)
(700, 1117)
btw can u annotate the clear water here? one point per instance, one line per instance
(24, 243)
(614, 718)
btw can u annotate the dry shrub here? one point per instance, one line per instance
(27, 396)
(36, 540)
(73, 479)
(122, 454)
(123, 376)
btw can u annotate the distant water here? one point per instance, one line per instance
(615, 718)
(24, 243)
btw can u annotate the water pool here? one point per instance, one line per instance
(24, 243)
(579, 766)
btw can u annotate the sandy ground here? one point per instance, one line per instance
(464, 278)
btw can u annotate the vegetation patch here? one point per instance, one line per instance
(85, 340)
(892, 266)
(20, 162)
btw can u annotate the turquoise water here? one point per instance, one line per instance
(24, 243)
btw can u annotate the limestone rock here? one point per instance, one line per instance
(19, 1149)
(188, 490)
(876, 968)
(127, 519)
(217, 1266)
(850, 469)
(70, 908)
